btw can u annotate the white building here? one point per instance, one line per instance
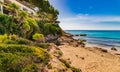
(1, 7)
(22, 7)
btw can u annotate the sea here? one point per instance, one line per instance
(102, 38)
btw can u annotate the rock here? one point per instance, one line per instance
(76, 55)
(117, 53)
(104, 50)
(80, 35)
(101, 49)
(114, 49)
(76, 35)
(82, 58)
(83, 34)
(68, 35)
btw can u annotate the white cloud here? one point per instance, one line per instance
(86, 22)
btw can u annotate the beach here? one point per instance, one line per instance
(90, 59)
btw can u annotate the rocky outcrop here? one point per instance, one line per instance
(114, 49)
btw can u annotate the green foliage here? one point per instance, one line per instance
(17, 27)
(50, 29)
(13, 9)
(41, 26)
(69, 66)
(23, 14)
(8, 41)
(30, 68)
(50, 66)
(23, 41)
(13, 39)
(76, 69)
(18, 58)
(43, 45)
(38, 37)
(13, 6)
(20, 23)
(45, 9)
(26, 26)
(4, 19)
(32, 26)
(3, 37)
(7, 26)
(65, 62)
(2, 29)
(60, 53)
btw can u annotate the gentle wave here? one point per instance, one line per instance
(99, 37)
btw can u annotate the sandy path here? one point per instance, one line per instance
(91, 61)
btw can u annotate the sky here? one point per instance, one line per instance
(88, 14)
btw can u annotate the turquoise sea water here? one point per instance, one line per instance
(107, 38)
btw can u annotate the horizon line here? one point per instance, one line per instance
(86, 29)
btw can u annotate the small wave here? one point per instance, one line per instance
(103, 37)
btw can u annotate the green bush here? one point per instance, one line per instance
(76, 69)
(69, 66)
(20, 58)
(3, 37)
(8, 41)
(7, 25)
(52, 29)
(30, 68)
(38, 37)
(23, 41)
(49, 66)
(60, 53)
(65, 62)
(2, 29)
(43, 45)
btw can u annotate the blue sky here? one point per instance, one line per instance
(88, 14)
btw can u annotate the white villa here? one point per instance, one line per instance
(22, 7)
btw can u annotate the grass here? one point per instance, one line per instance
(60, 53)
(66, 63)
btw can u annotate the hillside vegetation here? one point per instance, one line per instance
(25, 39)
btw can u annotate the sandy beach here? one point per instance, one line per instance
(91, 59)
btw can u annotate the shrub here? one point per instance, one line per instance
(38, 37)
(60, 53)
(8, 41)
(2, 29)
(20, 58)
(7, 25)
(23, 41)
(52, 29)
(65, 62)
(76, 69)
(3, 37)
(43, 45)
(30, 68)
(49, 66)
(69, 66)
(13, 37)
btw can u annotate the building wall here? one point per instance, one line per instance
(24, 7)
(1, 7)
